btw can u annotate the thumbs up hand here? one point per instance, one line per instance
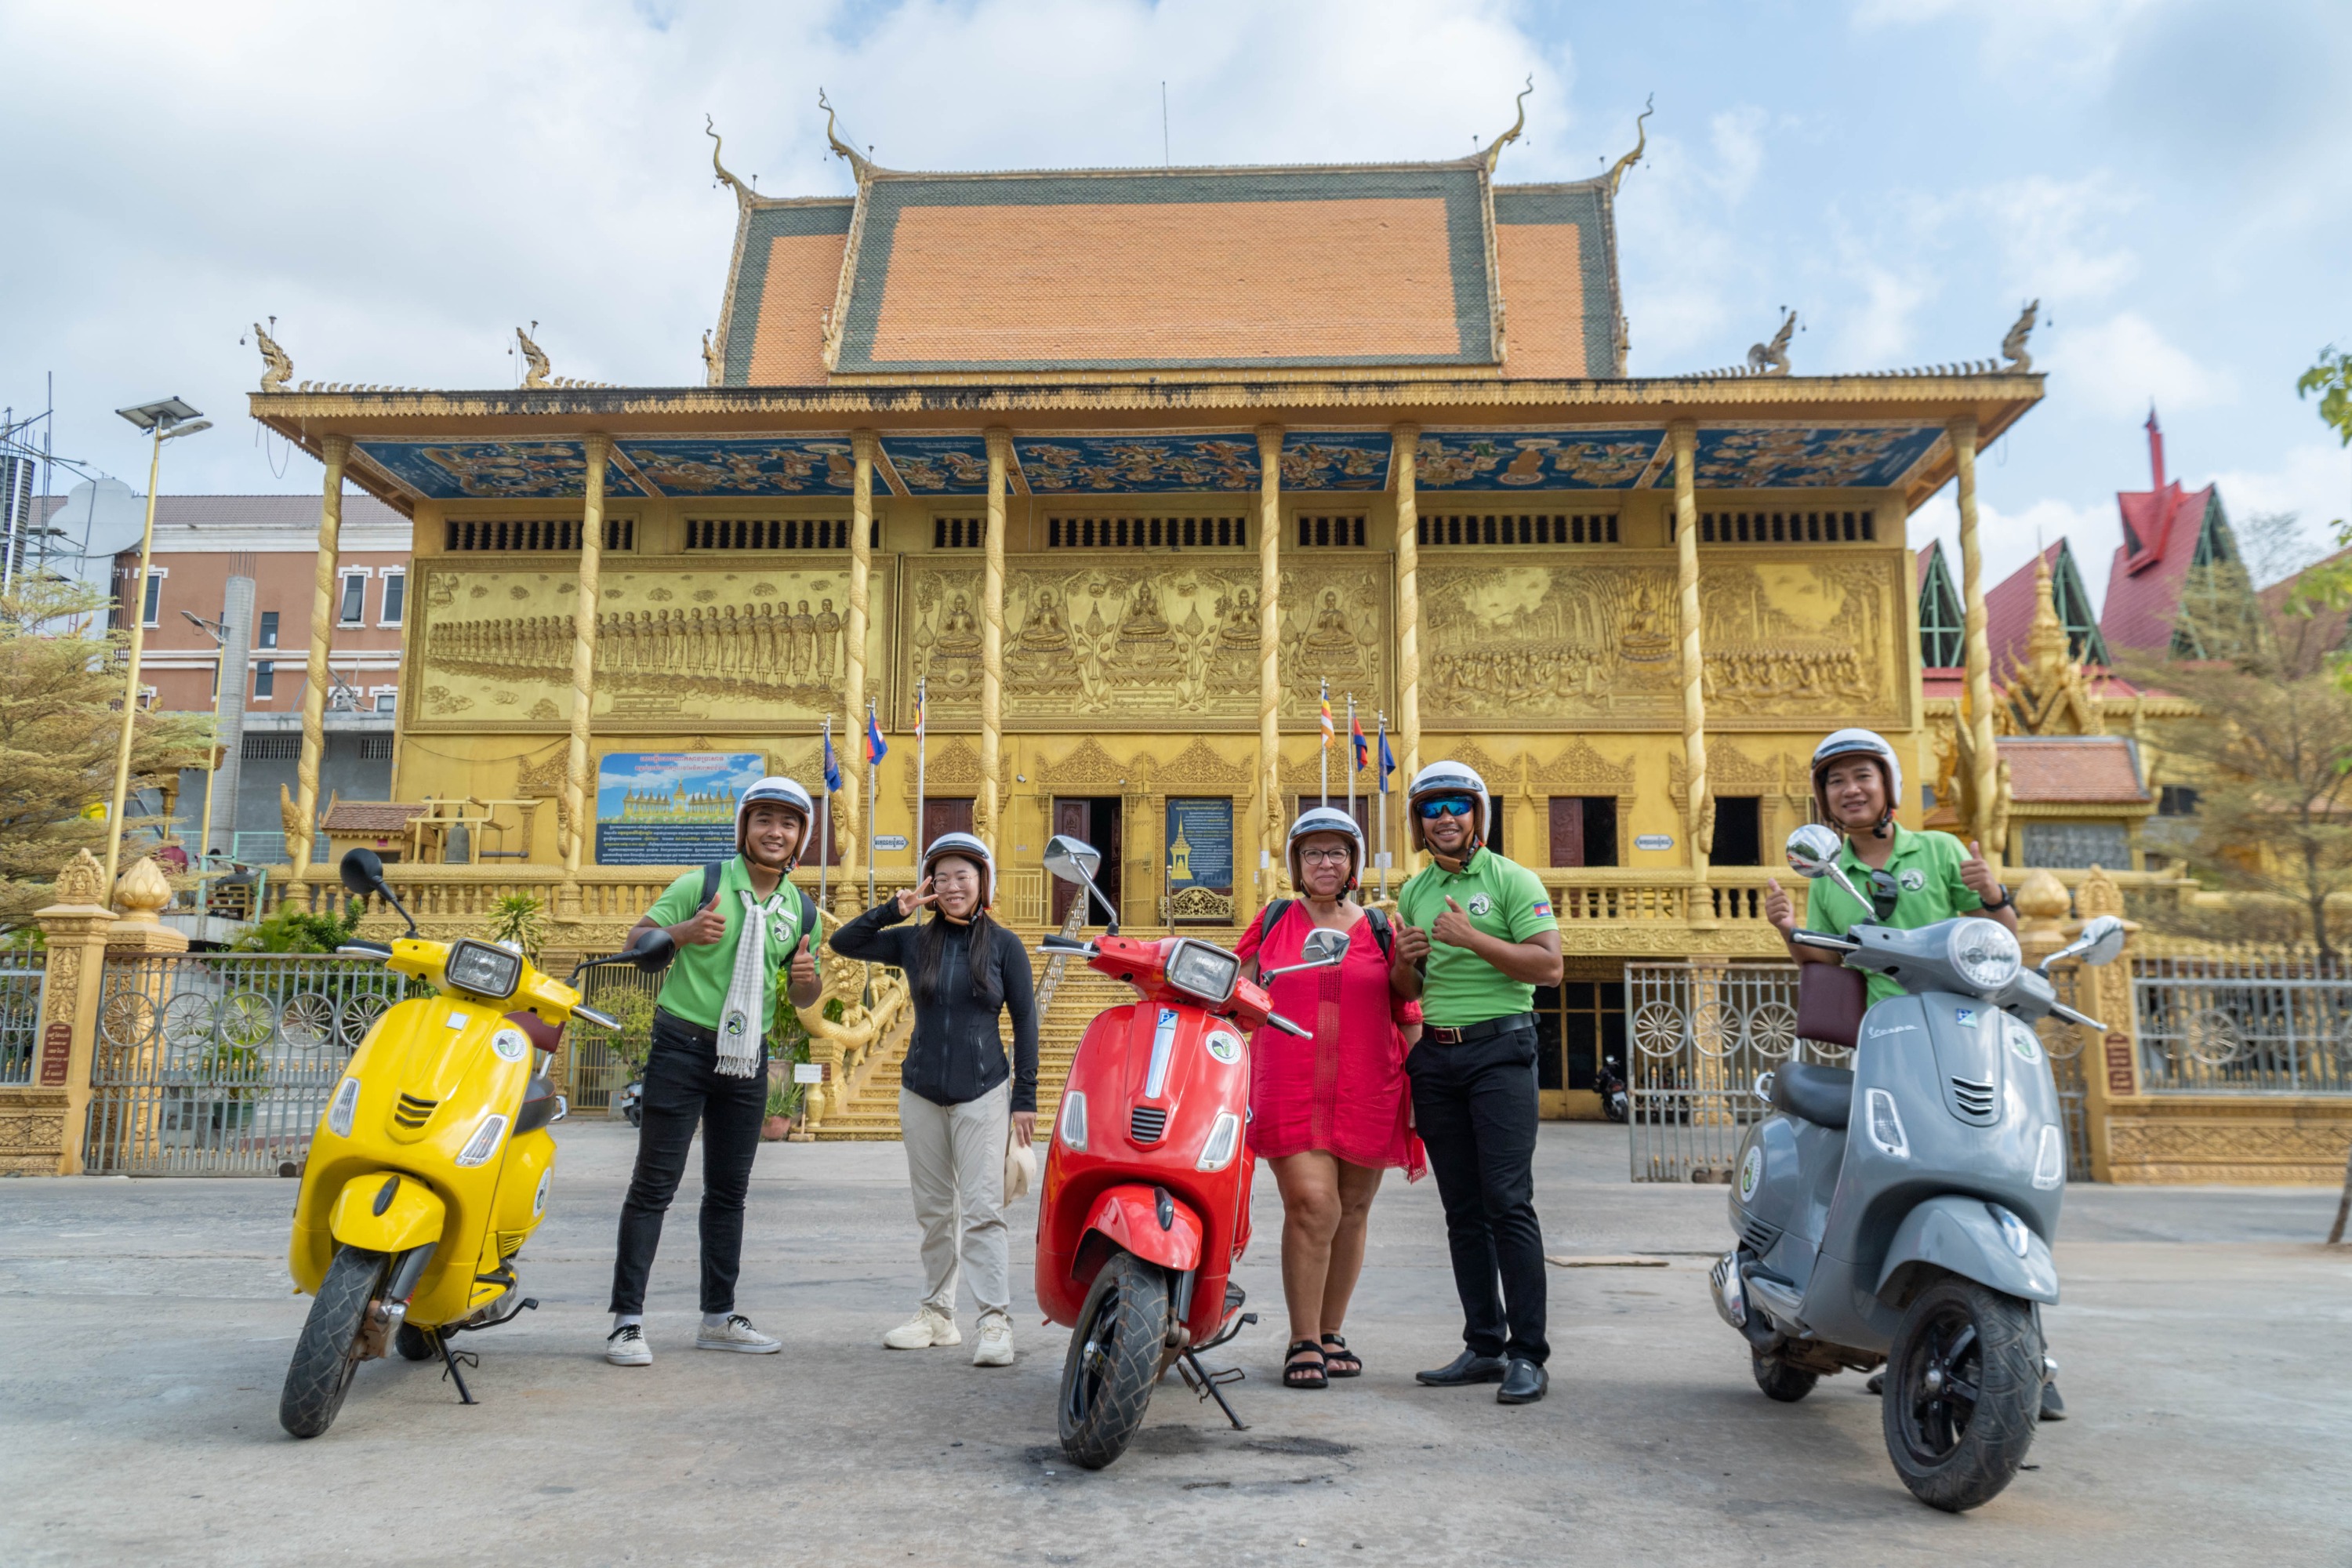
(1454, 928)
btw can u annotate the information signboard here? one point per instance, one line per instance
(670, 809)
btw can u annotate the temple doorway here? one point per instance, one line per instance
(1094, 819)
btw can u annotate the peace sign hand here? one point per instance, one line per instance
(916, 898)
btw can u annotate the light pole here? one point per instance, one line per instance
(166, 420)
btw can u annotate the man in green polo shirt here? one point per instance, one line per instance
(1478, 930)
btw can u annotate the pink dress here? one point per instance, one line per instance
(1342, 1088)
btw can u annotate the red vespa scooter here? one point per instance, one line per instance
(1145, 1206)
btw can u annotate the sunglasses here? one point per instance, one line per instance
(1448, 805)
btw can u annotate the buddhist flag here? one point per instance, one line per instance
(1356, 739)
(832, 763)
(1327, 730)
(874, 750)
(1388, 762)
(918, 710)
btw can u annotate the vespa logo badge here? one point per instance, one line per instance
(1878, 1034)
(1226, 1047)
(510, 1045)
(1913, 880)
(1751, 1172)
(2025, 1042)
(1480, 904)
(538, 1198)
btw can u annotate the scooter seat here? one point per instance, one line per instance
(1822, 1095)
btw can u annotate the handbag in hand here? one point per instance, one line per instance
(1020, 1164)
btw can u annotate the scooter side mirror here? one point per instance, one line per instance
(2101, 940)
(1075, 861)
(652, 952)
(363, 871)
(1324, 947)
(1812, 850)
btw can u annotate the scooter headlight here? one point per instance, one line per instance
(2049, 1165)
(1885, 1125)
(1983, 954)
(484, 1141)
(343, 1108)
(1074, 1121)
(1225, 1137)
(488, 971)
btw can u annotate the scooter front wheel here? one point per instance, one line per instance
(1963, 1389)
(1114, 1360)
(327, 1353)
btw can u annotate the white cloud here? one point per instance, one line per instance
(1685, 255)
(2071, 38)
(2054, 236)
(2118, 365)
(2313, 481)
(2011, 538)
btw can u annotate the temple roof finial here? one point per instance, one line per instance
(1495, 148)
(1641, 145)
(858, 161)
(743, 196)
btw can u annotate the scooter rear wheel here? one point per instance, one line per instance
(1114, 1360)
(1780, 1381)
(327, 1353)
(1963, 1390)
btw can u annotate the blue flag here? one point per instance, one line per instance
(1388, 761)
(874, 750)
(832, 767)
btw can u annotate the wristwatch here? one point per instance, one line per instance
(2005, 900)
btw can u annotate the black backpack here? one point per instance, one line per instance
(1281, 907)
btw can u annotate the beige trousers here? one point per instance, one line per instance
(955, 1164)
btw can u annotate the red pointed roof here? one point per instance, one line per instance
(2160, 529)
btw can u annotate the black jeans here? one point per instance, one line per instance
(683, 1087)
(1474, 1105)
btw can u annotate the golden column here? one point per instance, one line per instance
(1977, 646)
(1272, 882)
(1405, 461)
(1698, 814)
(579, 790)
(862, 444)
(991, 646)
(301, 823)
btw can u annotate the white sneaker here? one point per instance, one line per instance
(627, 1347)
(995, 1347)
(928, 1327)
(738, 1334)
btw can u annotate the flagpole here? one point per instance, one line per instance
(871, 765)
(922, 744)
(1351, 756)
(1326, 744)
(1381, 777)
(823, 814)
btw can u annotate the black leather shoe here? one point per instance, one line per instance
(1524, 1382)
(1463, 1370)
(2053, 1407)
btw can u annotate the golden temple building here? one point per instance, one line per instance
(1122, 468)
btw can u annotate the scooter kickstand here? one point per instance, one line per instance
(1202, 1378)
(450, 1360)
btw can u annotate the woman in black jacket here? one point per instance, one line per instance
(956, 1088)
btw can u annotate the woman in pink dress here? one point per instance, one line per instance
(1332, 1111)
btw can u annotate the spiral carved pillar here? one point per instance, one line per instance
(991, 646)
(1273, 881)
(862, 444)
(1698, 814)
(336, 450)
(579, 793)
(1976, 648)
(1405, 462)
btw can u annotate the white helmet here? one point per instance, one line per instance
(1862, 744)
(1447, 778)
(776, 790)
(1325, 819)
(964, 847)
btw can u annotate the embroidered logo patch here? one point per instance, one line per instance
(1225, 1048)
(1543, 907)
(1912, 879)
(1480, 904)
(510, 1045)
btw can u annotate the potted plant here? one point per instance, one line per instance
(788, 1046)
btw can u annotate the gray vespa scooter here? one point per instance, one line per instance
(1919, 1236)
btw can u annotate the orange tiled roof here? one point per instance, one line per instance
(2067, 770)
(371, 815)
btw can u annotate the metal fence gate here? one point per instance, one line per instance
(2277, 1026)
(20, 1018)
(219, 1064)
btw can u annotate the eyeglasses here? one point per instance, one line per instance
(1325, 856)
(1446, 806)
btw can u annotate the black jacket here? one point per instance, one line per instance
(957, 1054)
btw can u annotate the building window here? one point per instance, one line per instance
(273, 746)
(959, 533)
(2176, 800)
(1584, 830)
(375, 748)
(269, 629)
(773, 532)
(153, 604)
(1784, 528)
(1738, 831)
(387, 699)
(1330, 531)
(1530, 528)
(355, 600)
(265, 679)
(1146, 533)
(395, 597)
(1942, 626)
(1580, 1023)
(504, 534)
(2074, 846)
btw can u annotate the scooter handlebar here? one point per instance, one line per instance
(2072, 1016)
(602, 1020)
(363, 950)
(1285, 1024)
(1055, 941)
(1824, 942)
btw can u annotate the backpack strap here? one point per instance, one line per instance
(711, 874)
(1381, 932)
(1275, 910)
(808, 920)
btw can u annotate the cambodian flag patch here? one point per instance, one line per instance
(1543, 907)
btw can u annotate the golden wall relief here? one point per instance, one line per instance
(1164, 643)
(1519, 641)
(751, 647)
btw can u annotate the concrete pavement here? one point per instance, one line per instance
(144, 1328)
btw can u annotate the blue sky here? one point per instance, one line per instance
(401, 186)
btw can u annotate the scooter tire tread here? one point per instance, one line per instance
(1780, 1381)
(2000, 1431)
(326, 1353)
(1137, 1329)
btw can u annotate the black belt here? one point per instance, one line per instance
(1447, 1035)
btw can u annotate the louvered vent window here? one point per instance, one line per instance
(516, 533)
(375, 748)
(1146, 532)
(772, 532)
(1330, 531)
(1517, 528)
(1784, 528)
(273, 746)
(959, 533)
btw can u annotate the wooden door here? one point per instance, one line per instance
(944, 814)
(1567, 830)
(1076, 818)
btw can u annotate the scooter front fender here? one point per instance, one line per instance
(384, 1211)
(1127, 1216)
(1957, 1235)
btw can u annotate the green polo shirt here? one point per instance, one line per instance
(695, 988)
(1926, 867)
(1503, 898)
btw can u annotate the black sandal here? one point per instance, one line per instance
(1339, 1361)
(1297, 1373)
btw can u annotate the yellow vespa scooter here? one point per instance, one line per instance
(430, 1168)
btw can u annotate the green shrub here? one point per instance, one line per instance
(299, 931)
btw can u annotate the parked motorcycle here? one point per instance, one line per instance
(1924, 1241)
(431, 1165)
(1145, 1206)
(1610, 1084)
